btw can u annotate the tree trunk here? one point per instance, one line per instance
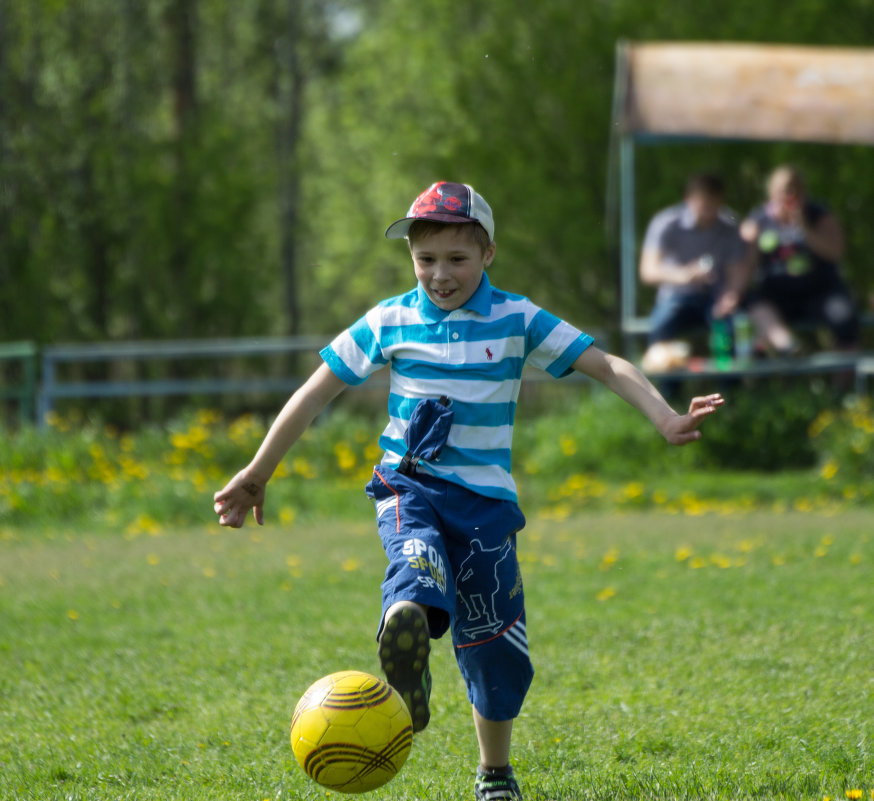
(290, 89)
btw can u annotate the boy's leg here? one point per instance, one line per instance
(488, 629)
(494, 776)
(418, 592)
(404, 645)
(493, 737)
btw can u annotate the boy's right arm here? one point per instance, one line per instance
(245, 491)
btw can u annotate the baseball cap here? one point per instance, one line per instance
(446, 202)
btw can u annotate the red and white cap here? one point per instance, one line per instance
(446, 202)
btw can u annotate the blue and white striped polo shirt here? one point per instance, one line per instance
(474, 355)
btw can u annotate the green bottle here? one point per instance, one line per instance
(721, 344)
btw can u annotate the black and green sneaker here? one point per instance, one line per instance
(497, 785)
(404, 645)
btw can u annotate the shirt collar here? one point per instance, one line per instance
(687, 218)
(479, 302)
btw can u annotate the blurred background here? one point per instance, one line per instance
(198, 168)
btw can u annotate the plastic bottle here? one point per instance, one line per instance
(743, 338)
(721, 344)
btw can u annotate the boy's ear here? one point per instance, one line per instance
(489, 254)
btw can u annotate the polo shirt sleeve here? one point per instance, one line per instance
(554, 345)
(356, 353)
(657, 227)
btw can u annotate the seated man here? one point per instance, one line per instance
(694, 254)
(799, 244)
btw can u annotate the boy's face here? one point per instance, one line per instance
(449, 265)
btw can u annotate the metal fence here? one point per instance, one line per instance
(36, 399)
(53, 387)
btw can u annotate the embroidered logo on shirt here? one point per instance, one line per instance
(489, 354)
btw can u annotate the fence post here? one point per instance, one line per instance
(24, 391)
(46, 389)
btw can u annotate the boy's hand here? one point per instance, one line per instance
(241, 494)
(682, 429)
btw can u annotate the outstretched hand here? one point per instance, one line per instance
(682, 429)
(242, 493)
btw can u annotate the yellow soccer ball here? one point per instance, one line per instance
(351, 732)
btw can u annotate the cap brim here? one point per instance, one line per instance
(399, 229)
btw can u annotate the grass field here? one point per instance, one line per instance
(677, 656)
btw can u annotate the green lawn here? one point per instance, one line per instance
(678, 656)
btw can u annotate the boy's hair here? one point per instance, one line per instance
(422, 229)
(705, 183)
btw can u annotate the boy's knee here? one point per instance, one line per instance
(498, 674)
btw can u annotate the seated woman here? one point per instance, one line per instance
(799, 243)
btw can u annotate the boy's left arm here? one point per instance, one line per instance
(631, 385)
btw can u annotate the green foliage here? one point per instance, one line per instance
(843, 439)
(765, 428)
(761, 428)
(759, 452)
(165, 165)
(166, 666)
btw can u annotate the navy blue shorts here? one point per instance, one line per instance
(454, 551)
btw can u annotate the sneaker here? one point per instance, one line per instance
(492, 786)
(404, 645)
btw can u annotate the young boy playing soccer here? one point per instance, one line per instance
(445, 499)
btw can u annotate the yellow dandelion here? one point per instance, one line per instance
(568, 444)
(803, 505)
(606, 594)
(558, 512)
(153, 559)
(856, 559)
(345, 456)
(829, 470)
(609, 559)
(209, 572)
(853, 795)
(372, 453)
(633, 490)
(143, 524)
(683, 553)
(286, 515)
(293, 560)
(778, 560)
(697, 562)
(660, 497)
(208, 417)
(820, 551)
(350, 565)
(72, 614)
(303, 468)
(694, 507)
(822, 421)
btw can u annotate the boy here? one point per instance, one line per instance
(445, 500)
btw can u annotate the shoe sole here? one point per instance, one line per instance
(404, 646)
